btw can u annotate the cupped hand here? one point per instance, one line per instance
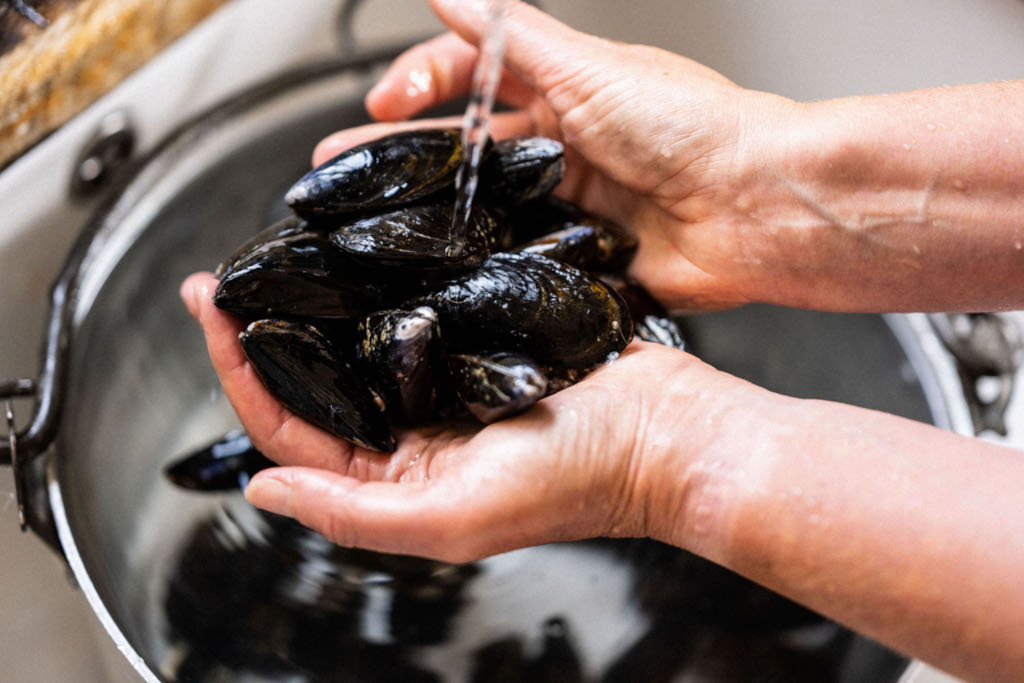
(655, 141)
(583, 462)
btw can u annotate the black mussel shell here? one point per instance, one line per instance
(561, 377)
(419, 238)
(537, 220)
(664, 331)
(299, 275)
(495, 386)
(307, 373)
(224, 465)
(388, 172)
(292, 225)
(552, 312)
(520, 169)
(592, 245)
(651, 321)
(402, 349)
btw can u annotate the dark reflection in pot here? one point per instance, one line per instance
(257, 597)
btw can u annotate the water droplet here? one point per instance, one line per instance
(419, 82)
(930, 126)
(907, 146)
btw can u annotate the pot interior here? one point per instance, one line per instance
(206, 589)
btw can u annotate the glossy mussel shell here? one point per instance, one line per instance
(309, 375)
(552, 312)
(418, 237)
(495, 386)
(520, 169)
(389, 172)
(223, 465)
(560, 230)
(298, 275)
(402, 348)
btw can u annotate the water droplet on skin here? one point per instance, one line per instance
(907, 146)
(931, 126)
(1017, 245)
(419, 83)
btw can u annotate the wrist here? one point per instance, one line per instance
(710, 447)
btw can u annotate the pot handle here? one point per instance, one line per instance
(21, 449)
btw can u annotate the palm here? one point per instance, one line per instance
(458, 490)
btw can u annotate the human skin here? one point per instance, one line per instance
(902, 202)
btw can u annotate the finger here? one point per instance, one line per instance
(434, 72)
(542, 51)
(414, 518)
(273, 428)
(508, 124)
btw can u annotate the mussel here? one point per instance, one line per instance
(385, 173)
(521, 169)
(370, 315)
(402, 348)
(418, 238)
(224, 465)
(495, 386)
(651, 321)
(307, 373)
(562, 230)
(550, 311)
(298, 275)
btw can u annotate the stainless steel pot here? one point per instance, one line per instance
(126, 386)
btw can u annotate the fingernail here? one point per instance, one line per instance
(270, 494)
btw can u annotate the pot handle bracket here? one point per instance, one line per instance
(988, 350)
(29, 477)
(22, 449)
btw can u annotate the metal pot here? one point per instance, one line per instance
(200, 588)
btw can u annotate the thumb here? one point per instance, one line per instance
(540, 50)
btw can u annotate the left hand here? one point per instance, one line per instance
(564, 470)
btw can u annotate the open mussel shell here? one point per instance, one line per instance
(520, 169)
(226, 464)
(402, 348)
(385, 173)
(552, 312)
(308, 374)
(298, 275)
(292, 225)
(495, 386)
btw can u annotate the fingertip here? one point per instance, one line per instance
(269, 491)
(195, 289)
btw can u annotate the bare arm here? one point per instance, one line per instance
(906, 533)
(912, 201)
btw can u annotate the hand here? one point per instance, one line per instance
(655, 141)
(561, 471)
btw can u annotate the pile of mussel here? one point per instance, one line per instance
(369, 308)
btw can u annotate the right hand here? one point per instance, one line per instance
(655, 141)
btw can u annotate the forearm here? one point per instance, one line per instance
(912, 201)
(906, 533)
